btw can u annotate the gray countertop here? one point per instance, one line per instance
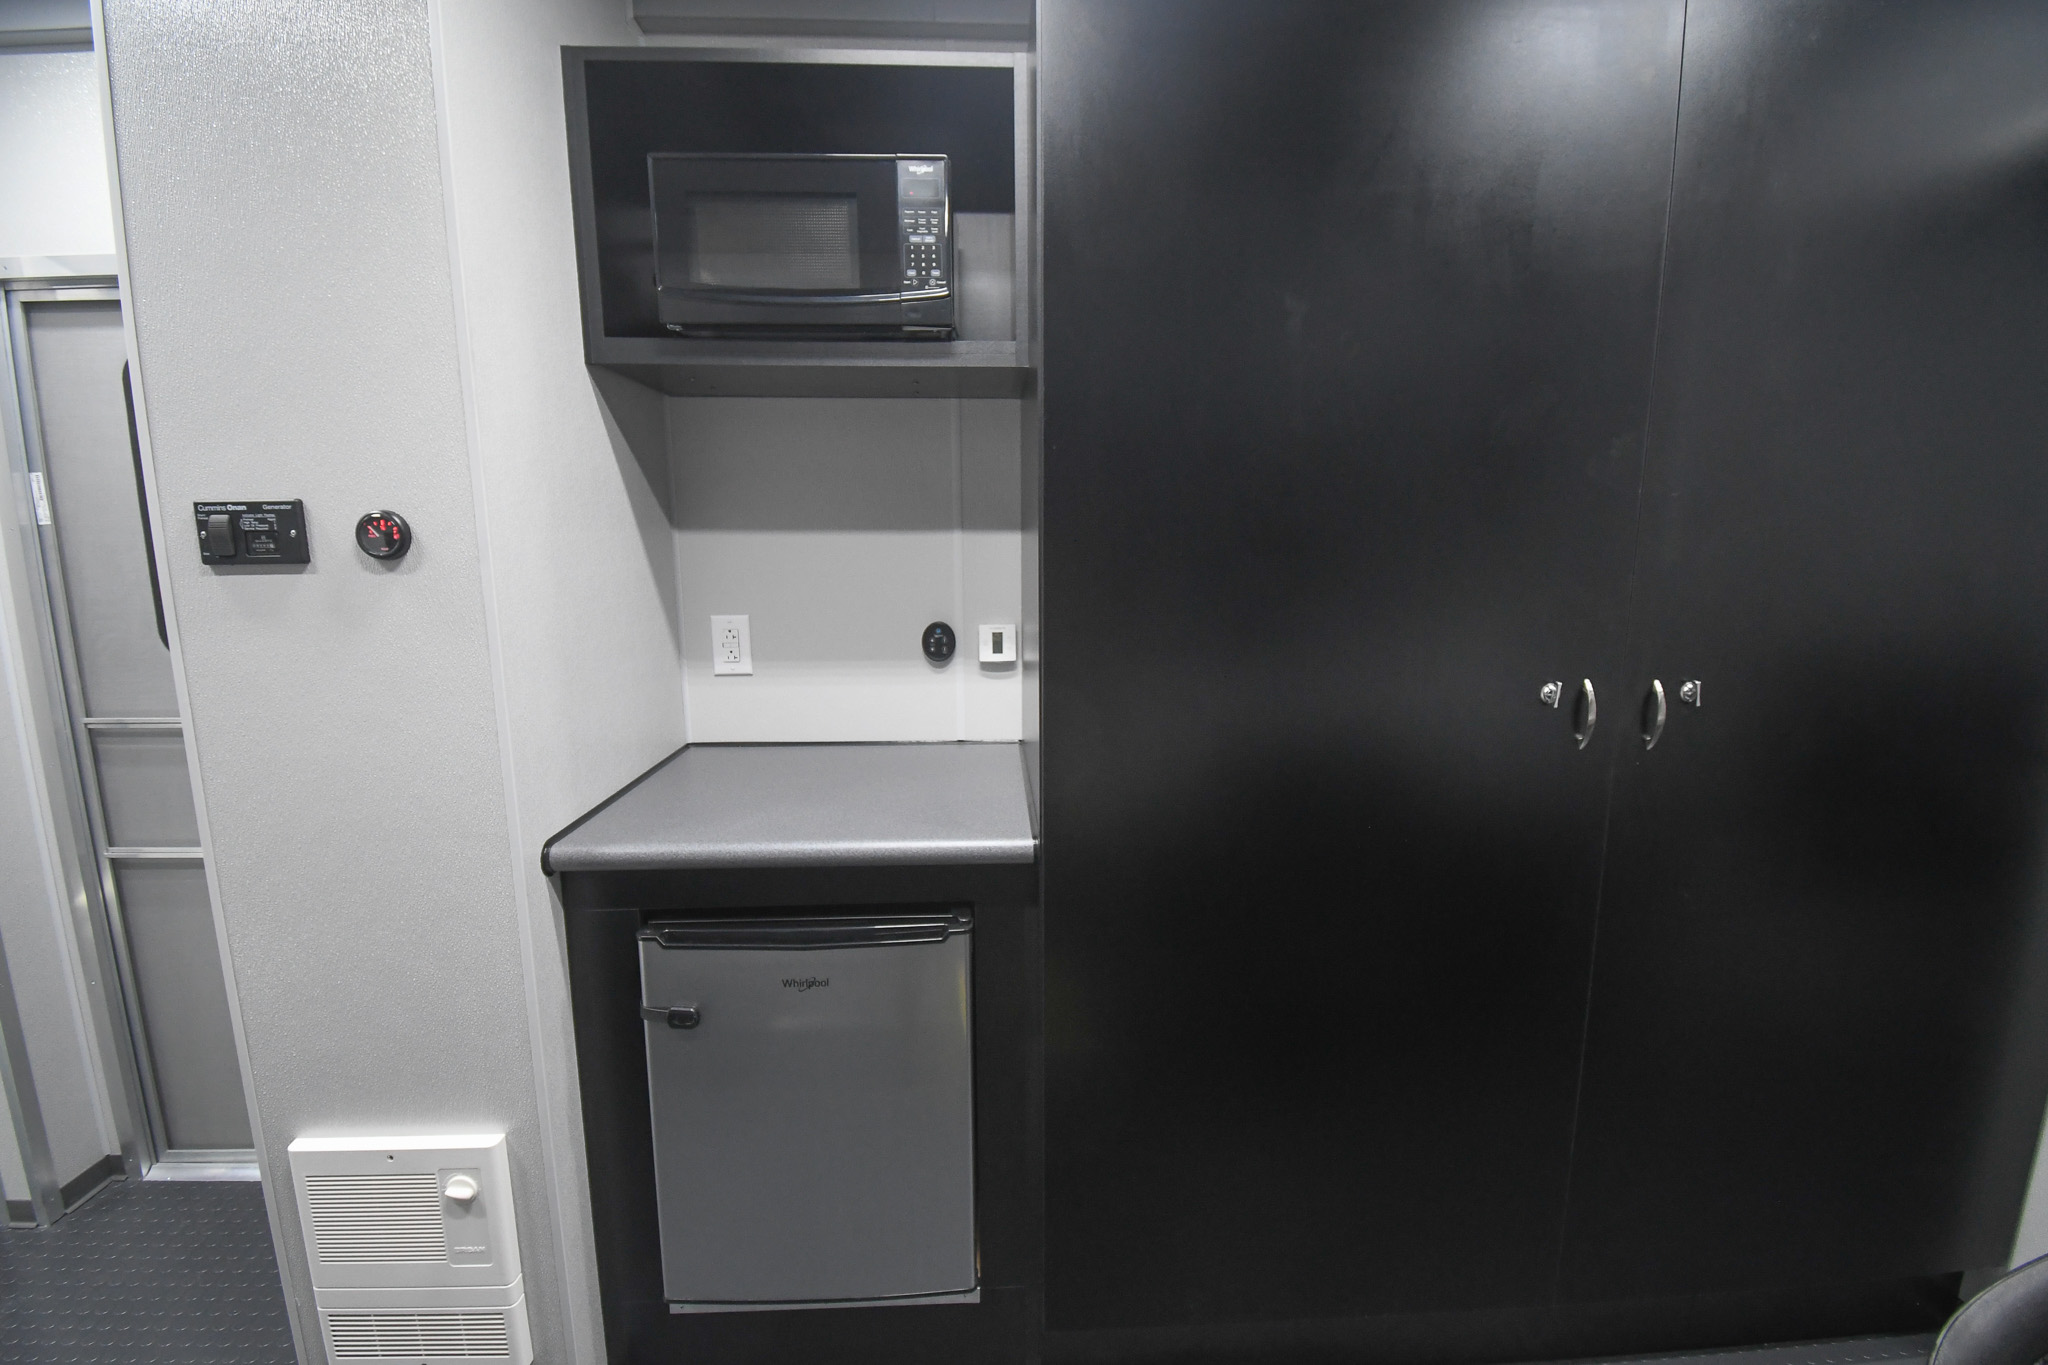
(810, 805)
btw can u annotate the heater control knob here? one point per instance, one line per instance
(461, 1188)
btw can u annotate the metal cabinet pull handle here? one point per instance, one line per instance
(1587, 714)
(1654, 714)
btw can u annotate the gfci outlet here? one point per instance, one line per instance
(732, 651)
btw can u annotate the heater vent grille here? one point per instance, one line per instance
(418, 1336)
(382, 1219)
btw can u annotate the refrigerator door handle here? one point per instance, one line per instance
(675, 1016)
(1654, 714)
(1586, 714)
(821, 932)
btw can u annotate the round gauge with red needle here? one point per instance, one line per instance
(383, 535)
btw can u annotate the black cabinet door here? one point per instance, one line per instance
(1816, 1043)
(1349, 315)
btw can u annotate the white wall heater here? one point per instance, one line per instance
(414, 1251)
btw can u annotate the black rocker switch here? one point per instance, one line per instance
(220, 535)
(252, 532)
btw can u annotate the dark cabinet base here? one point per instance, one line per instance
(1910, 1309)
(1006, 1326)
(612, 1060)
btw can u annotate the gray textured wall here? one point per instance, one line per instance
(53, 170)
(573, 480)
(841, 527)
(290, 276)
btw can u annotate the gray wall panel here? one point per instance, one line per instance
(290, 278)
(841, 527)
(572, 475)
(78, 351)
(145, 790)
(53, 170)
(184, 1002)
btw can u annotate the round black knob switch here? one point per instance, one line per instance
(939, 642)
(383, 535)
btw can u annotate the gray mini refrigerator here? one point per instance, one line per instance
(812, 1089)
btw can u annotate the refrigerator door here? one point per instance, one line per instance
(811, 1084)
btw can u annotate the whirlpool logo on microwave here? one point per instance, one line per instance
(805, 983)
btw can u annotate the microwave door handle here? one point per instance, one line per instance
(734, 296)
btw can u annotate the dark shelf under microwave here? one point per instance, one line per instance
(705, 367)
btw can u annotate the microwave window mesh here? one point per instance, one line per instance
(774, 241)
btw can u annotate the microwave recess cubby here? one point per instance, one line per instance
(639, 118)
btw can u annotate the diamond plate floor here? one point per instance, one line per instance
(170, 1273)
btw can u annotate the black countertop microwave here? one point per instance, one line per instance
(802, 246)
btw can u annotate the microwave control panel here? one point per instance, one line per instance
(925, 216)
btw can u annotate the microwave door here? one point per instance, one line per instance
(793, 248)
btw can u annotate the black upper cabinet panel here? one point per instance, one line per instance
(1349, 314)
(1817, 1047)
(650, 105)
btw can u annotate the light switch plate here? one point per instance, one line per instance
(732, 646)
(999, 644)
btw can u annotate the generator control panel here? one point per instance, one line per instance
(252, 532)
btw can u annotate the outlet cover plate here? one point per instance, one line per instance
(732, 645)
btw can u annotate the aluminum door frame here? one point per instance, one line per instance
(45, 1202)
(45, 716)
(95, 894)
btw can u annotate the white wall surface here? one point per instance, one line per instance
(295, 321)
(573, 476)
(841, 527)
(54, 199)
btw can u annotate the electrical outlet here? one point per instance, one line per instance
(732, 650)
